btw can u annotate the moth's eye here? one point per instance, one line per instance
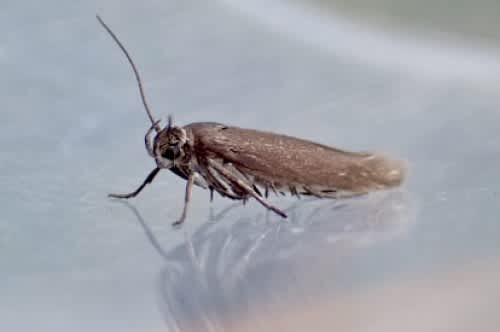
(171, 153)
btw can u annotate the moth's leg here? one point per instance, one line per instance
(148, 180)
(148, 141)
(226, 173)
(211, 193)
(257, 190)
(294, 192)
(187, 198)
(218, 185)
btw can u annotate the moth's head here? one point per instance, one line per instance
(169, 145)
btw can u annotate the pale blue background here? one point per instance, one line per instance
(71, 131)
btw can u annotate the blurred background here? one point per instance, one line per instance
(418, 80)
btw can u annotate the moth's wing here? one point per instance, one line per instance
(286, 160)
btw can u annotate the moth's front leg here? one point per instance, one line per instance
(187, 198)
(148, 180)
(248, 189)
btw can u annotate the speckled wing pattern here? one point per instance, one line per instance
(284, 163)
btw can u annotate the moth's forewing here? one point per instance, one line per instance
(292, 162)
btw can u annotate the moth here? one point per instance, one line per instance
(240, 163)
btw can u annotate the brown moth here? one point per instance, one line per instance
(243, 163)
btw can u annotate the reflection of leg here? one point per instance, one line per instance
(148, 180)
(222, 214)
(147, 230)
(248, 189)
(187, 198)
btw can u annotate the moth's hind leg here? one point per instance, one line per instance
(136, 192)
(245, 186)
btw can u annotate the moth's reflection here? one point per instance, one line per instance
(228, 267)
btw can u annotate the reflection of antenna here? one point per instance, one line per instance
(136, 73)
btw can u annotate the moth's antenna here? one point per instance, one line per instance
(170, 122)
(136, 73)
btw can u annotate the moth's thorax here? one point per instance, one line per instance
(172, 147)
